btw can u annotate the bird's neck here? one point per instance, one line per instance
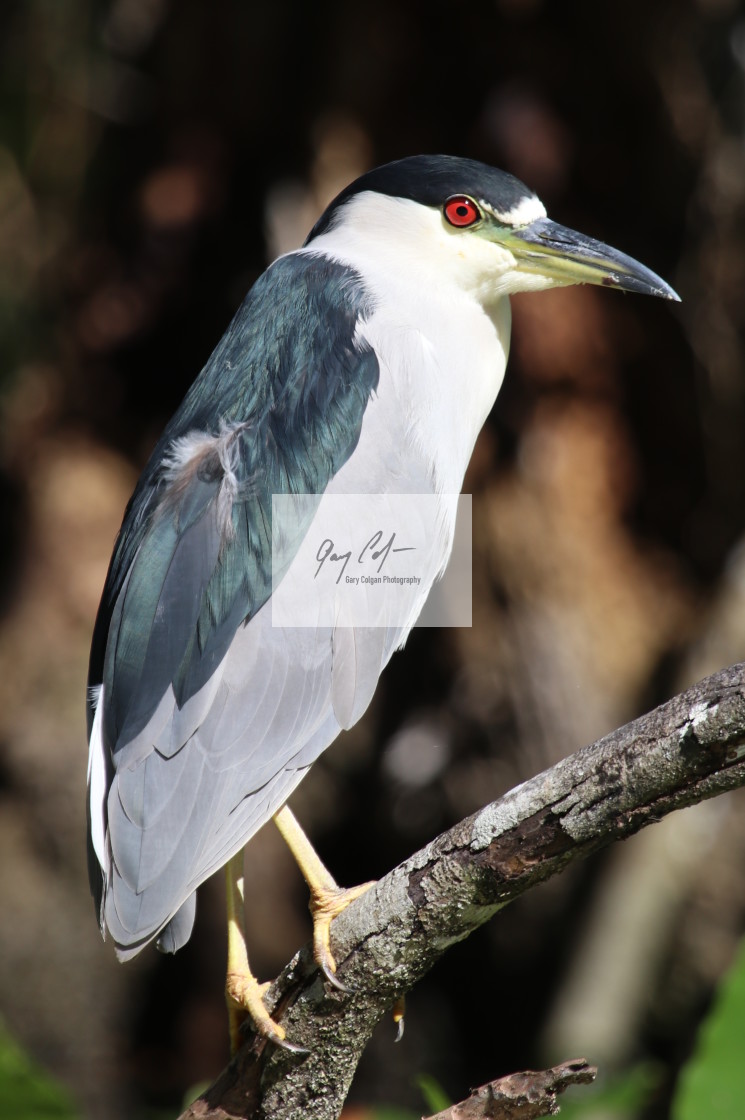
(442, 356)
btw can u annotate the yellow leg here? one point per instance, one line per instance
(327, 899)
(243, 992)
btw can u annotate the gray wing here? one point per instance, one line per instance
(252, 732)
(202, 715)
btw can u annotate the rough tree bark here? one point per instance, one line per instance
(689, 749)
(521, 1096)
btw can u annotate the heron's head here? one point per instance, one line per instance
(449, 220)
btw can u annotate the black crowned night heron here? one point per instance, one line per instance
(364, 363)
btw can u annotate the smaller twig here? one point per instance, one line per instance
(521, 1096)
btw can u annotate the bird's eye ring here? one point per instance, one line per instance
(460, 211)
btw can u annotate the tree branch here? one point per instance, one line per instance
(521, 1096)
(687, 750)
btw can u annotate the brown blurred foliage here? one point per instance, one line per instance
(153, 156)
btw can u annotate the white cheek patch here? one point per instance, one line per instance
(528, 209)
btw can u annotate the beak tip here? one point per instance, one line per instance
(647, 283)
(660, 289)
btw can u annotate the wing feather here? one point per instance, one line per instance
(360, 654)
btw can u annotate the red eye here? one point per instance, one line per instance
(461, 211)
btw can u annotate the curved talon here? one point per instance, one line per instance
(269, 1035)
(288, 1047)
(333, 979)
(399, 1011)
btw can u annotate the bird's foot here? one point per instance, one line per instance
(326, 903)
(244, 997)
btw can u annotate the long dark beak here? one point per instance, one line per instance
(572, 258)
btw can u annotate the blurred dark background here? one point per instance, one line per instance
(154, 156)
